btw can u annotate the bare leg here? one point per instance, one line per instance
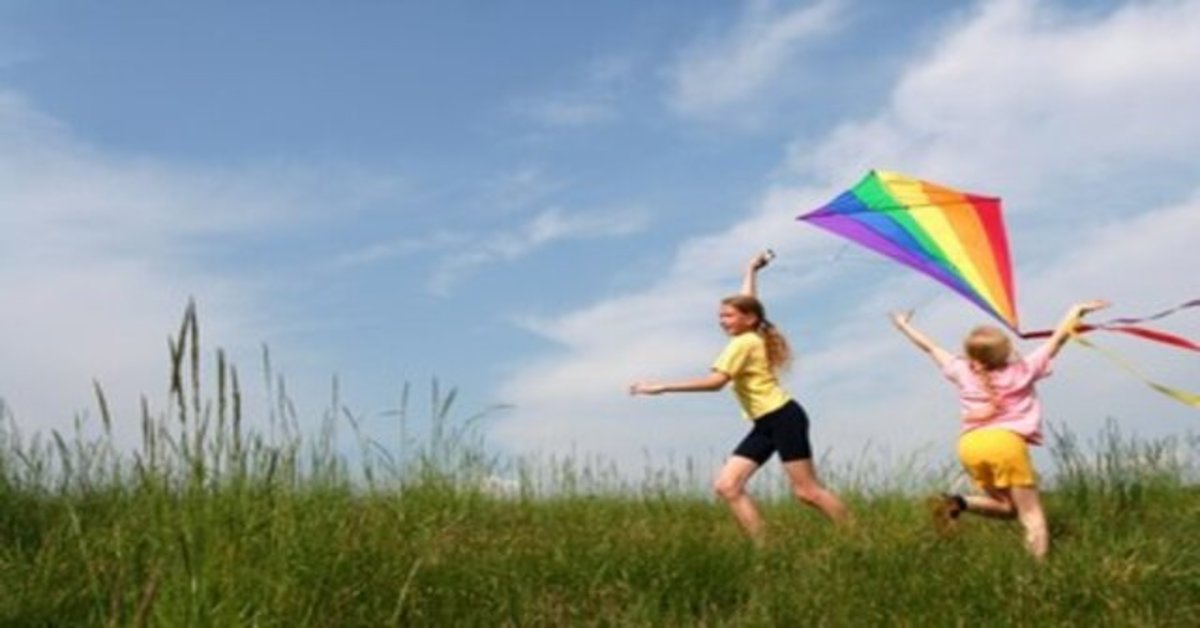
(998, 503)
(1033, 518)
(808, 489)
(730, 485)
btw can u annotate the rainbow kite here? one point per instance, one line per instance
(957, 238)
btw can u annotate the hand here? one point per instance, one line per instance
(1091, 306)
(760, 260)
(646, 388)
(900, 319)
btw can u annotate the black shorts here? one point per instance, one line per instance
(784, 430)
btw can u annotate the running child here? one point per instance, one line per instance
(756, 353)
(1001, 416)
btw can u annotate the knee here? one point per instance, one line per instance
(728, 489)
(1034, 521)
(1001, 504)
(808, 493)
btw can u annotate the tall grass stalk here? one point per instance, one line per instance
(211, 521)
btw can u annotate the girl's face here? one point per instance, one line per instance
(735, 321)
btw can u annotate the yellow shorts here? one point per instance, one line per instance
(996, 458)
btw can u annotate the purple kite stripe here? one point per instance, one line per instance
(855, 231)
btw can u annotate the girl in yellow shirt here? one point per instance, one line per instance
(755, 353)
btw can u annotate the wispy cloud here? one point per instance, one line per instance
(730, 70)
(400, 247)
(506, 195)
(1016, 97)
(548, 227)
(520, 189)
(593, 101)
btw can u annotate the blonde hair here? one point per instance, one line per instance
(988, 349)
(779, 352)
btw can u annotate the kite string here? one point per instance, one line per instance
(842, 255)
(921, 303)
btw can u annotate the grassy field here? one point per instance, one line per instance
(209, 523)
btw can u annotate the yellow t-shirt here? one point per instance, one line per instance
(744, 360)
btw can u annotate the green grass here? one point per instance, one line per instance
(210, 523)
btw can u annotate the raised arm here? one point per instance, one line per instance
(903, 322)
(711, 382)
(1070, 321)
(750, 278)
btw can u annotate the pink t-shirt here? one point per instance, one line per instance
(1017, 407)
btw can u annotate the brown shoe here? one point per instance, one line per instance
(945, 510)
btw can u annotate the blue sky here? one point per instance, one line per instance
(539, 202)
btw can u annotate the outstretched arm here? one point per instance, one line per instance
(902, 321)
(750, 278)
(1070, 321)
(713, 381)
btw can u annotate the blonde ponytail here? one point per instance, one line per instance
(985, 381)
(779, 352)
(989, 349)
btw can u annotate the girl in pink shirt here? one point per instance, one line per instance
(1001, 415)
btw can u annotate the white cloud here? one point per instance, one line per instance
(1016, 98)
(719, 73)
(100, 251)
(1024, 91)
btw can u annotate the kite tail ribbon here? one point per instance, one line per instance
(1141, 332)
(1182, 396)
(1132, 327)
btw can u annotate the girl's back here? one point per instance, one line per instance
(1005, 397)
